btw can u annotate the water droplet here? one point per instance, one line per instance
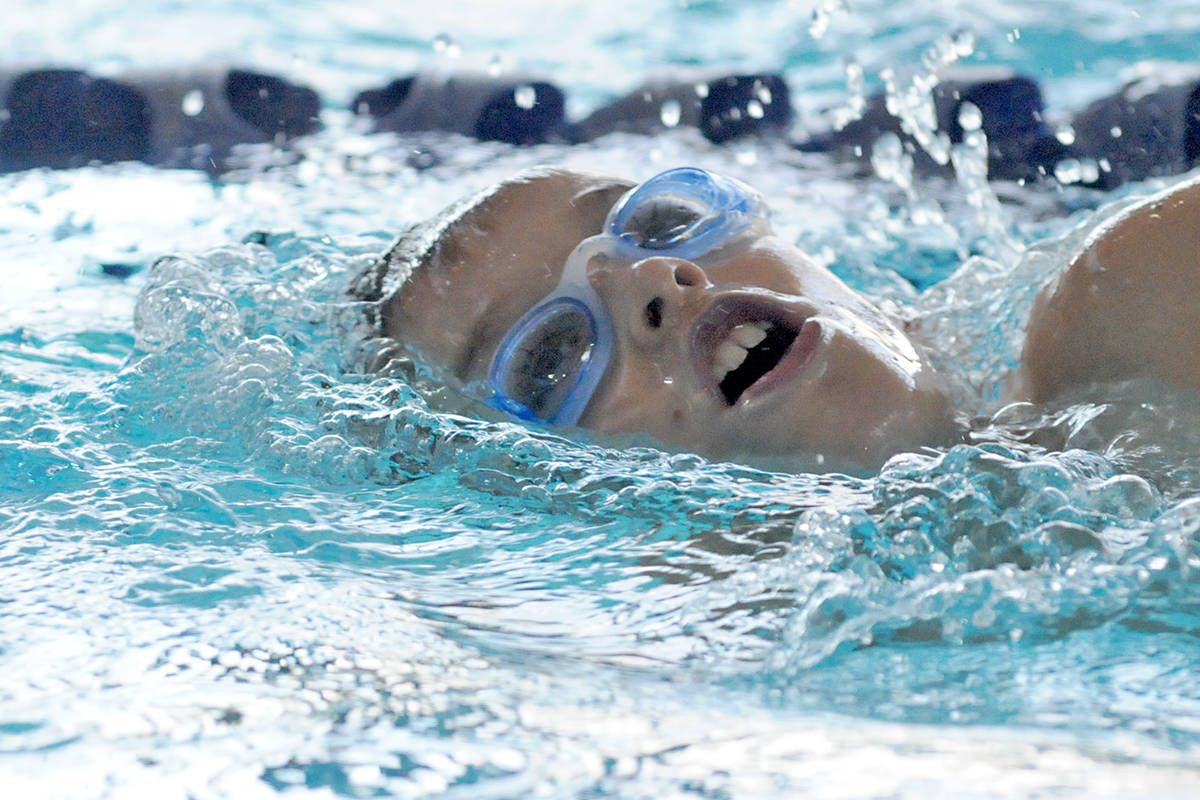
(701, 90)
(444, 44)
(495, 66)
(970, 118)
(964, 42)
(421, 158)
(819, 24)
(1116, 131)
(1068, 171)
(525, 96)
(754, 110)
(824, 13)
(193, 102)
(856, 102)
(887, 157)
(1089, 170)
(748, 156)
(1065, 134)
(670, 113)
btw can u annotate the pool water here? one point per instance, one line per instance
(234, 565)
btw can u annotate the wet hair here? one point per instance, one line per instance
(422, 245)
(418, 246)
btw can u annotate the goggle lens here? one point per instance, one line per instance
(544, 361)
(686, 210)
(664, 221)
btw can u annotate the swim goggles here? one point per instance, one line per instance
(552, 360)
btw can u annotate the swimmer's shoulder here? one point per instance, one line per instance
(1126, 305)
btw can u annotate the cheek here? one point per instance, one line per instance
(867, 397)
(861, 374)
(778, 267)
(638, 398)
(422, 317)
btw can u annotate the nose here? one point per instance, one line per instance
(651, 297)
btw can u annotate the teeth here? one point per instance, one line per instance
(750, 334)
(732, 352)
(729, 356)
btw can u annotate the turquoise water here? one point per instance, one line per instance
(234, 566)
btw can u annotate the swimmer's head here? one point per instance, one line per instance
(740, 347)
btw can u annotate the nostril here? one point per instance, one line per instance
(688, 275)
(654, 311)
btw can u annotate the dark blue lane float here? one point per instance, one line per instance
(62, 118)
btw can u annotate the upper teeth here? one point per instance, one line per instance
(732, 351)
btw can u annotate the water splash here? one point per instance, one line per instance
(856, 102)
(824, 14)
(912, 102)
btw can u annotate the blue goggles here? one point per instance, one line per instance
(551, 362)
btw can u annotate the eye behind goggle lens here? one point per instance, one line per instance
(666, 221)
(687, 209)
(541, 364)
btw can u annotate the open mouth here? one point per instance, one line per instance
(740, 340)
(752, 350)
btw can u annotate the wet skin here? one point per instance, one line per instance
(851, 388)
(849, 391)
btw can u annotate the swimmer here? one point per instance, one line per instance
(670, 309)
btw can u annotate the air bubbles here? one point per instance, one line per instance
(193, 103)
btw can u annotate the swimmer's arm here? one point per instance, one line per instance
(1127, 305)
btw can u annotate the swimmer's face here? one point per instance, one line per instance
(849, 390)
